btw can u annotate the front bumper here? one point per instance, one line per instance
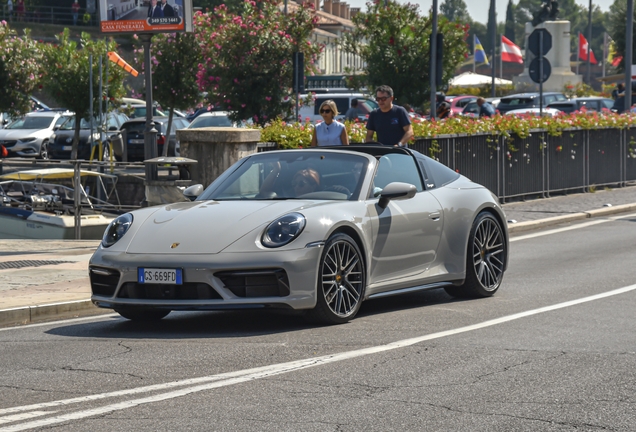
(28, 149)
(285, 279)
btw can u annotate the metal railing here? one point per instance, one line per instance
(47, 15)
(540, 164)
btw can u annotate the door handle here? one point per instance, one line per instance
(435, 216)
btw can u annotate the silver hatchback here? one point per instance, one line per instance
(30, 135)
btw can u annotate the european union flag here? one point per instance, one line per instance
(480, 54)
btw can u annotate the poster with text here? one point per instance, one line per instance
(145, 16)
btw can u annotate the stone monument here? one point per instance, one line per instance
(558, 56)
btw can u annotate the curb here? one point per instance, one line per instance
(49, 312)
(542, 223)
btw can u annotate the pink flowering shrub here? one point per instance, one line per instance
(20, 70)
(246, 64)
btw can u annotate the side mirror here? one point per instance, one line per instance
(192, 192)
(396, 191)
(112, 128)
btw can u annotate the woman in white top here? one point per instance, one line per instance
(329, 132)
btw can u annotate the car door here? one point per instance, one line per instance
(407, 232)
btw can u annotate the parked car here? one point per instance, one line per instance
(135, 136)
(212, 119)
(30, 135)
(458, 103)
(5, 119)
(471, 109)
(321, 230)
(592, 103)
(528, 100)
(366, 104)
(550, 112)
(62, 141)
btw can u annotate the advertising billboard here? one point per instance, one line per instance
(145, 16)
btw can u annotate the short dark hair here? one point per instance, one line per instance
(354, 102)
(385, 89)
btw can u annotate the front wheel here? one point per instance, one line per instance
(485, 260)
(341, 281)
(44, 150)
(139, 314)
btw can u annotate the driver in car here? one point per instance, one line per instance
(305, 181)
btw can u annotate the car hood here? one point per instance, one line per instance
(16, 134)
(206, 226)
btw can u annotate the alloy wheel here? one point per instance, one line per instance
(488, 254)
(342, 278)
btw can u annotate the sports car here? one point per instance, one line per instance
(318, 230)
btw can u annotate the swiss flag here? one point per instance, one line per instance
(510, 52)
(583, 50)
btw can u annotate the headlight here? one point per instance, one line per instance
(26, 140)
(116, 230)
(283, 230)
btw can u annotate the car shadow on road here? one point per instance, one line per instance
(237, 323)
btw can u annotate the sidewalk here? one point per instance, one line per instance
(44, 280)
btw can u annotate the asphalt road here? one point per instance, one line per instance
(554, 349)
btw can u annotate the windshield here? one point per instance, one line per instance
(517, 101)
(84, 124)
(32, 123)
(319, 175)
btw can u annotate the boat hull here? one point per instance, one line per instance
(39, 225)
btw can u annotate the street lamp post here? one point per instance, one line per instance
(433, 65)
(589, 44)
(629, 34)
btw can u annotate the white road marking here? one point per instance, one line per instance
(569, 228)
(66, 321)
(18, 417)
(237, 377)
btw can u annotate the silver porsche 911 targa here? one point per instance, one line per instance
(318, 229)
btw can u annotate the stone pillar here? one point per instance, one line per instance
(335, 8)
(558, 56)
(327, 6)
(216, 149)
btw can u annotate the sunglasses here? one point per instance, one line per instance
(301, 183)
(382, 98)
(325, 111)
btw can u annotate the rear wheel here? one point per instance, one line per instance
(143, 314)
(44, 150)
(341, 281)
(485, 260)
(105, 153)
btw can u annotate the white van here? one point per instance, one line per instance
(366, 104)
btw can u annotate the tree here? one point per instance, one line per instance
(394, 43)
(20, 70)
(247, 59)
(617, 29)
(455, 10)
(66, 76)
(234, 6)
(510, 21)
(174, 72)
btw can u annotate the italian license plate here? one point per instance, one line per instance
(67, 148)
(160, 276)
(136, 141)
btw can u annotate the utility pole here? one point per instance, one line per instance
(493, 41)
(629, 34)
(589, 44)
(433, 66)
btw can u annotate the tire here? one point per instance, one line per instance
(105, 153)
(485, 259)
(146, 315)
(44, 150)
(341, 281)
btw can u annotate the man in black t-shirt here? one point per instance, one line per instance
(391, 123)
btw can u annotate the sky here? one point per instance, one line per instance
(478, 9)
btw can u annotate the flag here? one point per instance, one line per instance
(510, 52)
(479, 53)
(115, 58)
(583, 50)
(612, 57)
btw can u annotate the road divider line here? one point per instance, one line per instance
(570, 228)
(237, 377)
